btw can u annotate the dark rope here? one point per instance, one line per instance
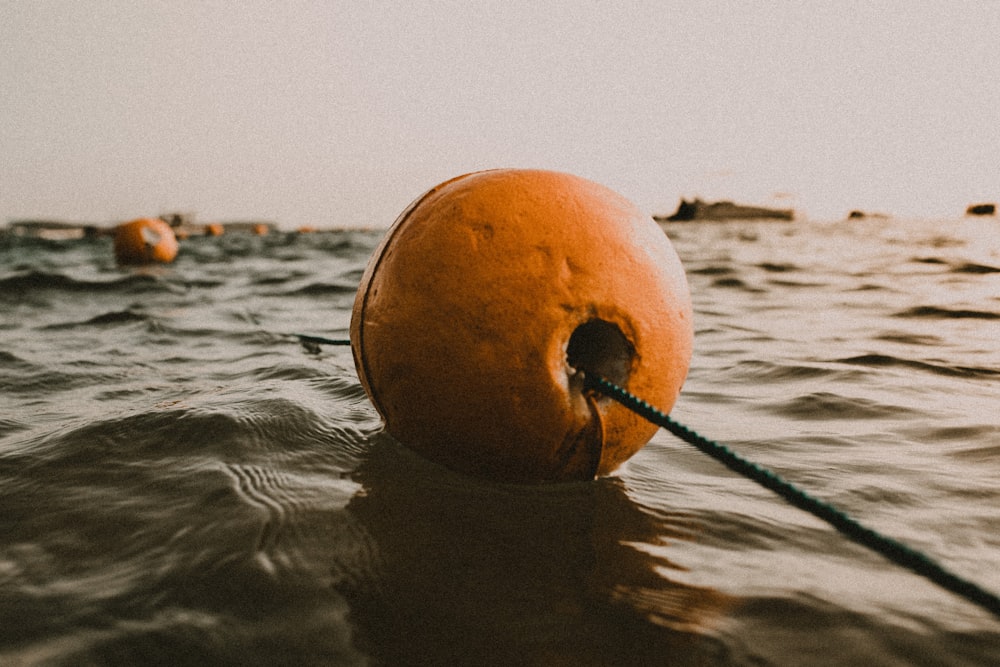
(319, 340)
(895, 551)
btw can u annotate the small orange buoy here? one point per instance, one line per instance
(214, 229)
(145, 241)
(487, 299)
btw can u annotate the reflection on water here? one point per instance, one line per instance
(463, 572)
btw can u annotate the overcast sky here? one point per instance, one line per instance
(339, 113)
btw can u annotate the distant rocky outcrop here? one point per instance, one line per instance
(981, 209)
(697, 209)
(864, 215)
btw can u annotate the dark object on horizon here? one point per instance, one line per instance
(981, 209)
(861, 215)
(724, 210)
(184, 225)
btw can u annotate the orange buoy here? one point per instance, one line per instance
(485, 301)
(214, 229)
(145, 241)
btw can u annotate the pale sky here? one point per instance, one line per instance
(339, 113)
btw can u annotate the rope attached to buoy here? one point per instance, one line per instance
(320, 340)
(312, 343)
(893, 550)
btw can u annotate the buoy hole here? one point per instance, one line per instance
(600, 347)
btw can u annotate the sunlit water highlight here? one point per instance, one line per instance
(183, 482)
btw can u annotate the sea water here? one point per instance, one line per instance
(184, 481)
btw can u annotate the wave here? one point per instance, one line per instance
(776, 267)
(807, 625)
(908, 338)
(757, 371)
(936, 312)
(104, 319)
(714, 270)
(958, 266)
(9, 426)
(32, 380)
(41, 280)
(888, 361)
(322, 289)
(975, 268)
(737, 283)
(821, 406)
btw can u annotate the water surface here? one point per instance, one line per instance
(182, 481)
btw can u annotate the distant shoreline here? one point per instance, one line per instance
(698, 210)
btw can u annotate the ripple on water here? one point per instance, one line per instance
(822, 406)
(888, 361)
(936, 312)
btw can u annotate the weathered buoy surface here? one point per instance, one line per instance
(488, 297)
(145, 241)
